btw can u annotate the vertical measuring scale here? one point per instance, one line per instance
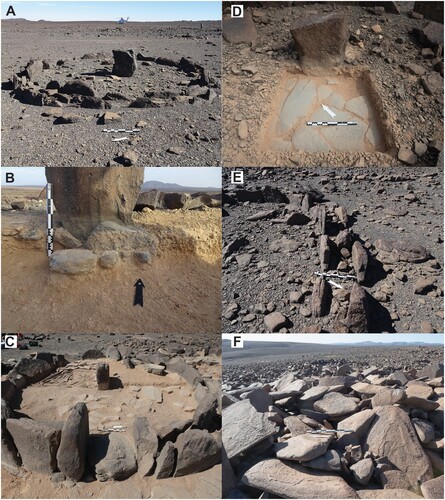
(49, 219)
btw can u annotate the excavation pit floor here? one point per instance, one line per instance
(305, 99)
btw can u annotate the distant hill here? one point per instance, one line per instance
(176, 188)
(262, 349)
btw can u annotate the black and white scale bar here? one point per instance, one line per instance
(329, 124)
(49, 219)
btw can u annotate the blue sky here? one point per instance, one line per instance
(186, 176)
(348, 338)
(112, 11)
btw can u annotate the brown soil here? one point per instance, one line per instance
(182, 283)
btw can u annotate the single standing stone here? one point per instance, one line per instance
(358, 310)
(325, 252)
(84, 197)
(103, 376)
(321, 296)
(124, 63)
(71, 456)
(320, 40)
(359, 261)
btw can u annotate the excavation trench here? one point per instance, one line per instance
(327, 112)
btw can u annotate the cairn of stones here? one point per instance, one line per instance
(335, 432)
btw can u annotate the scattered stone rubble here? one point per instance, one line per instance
(70, 450)
(333, 430)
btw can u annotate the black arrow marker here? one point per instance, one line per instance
(139, 294)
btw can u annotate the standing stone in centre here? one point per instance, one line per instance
(85, 197)
(320, 40)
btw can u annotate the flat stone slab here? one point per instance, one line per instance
(303, 447)
(392, 435)
(288, 480)
(301, 100)
(335, 404)
(244, 427)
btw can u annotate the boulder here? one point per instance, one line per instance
(112, 456)
(34, 370)
(275, 321)
(359, 424)
(124, 63)
(392, 435)
(73, 261)
(320, 39)
(289, 480)
(78, 87)
(335, 404)
(206, 411)
(187, 372)
(303, 447)
(197, 451)
(434, 487)
(65, 238)
(239, 30)
(71, 455)
(362, 470)
(34, 69)
(84, 197)
(166, 461)
(330, 461)
(424, 430)
(388, 397)
(244, 427)
(150, 199)
(431, 371)
(171, 430)
(401, 251)
(108, 260)
(174, 201)
(36, 442)
(430, 10)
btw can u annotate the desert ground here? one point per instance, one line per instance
(372, 65)
(175, 107)
(142, 412)
(182, 283)
(362, 421)
(376, 234)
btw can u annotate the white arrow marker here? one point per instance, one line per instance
(325, 108)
